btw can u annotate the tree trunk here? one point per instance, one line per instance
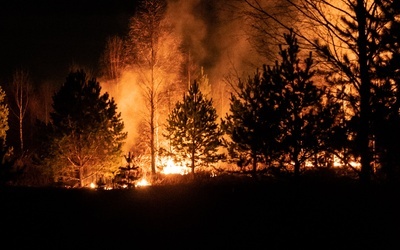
(193, 165)
(152, 140)
(254, 166)
(193, 159)
(152, 117)
(296, 168)
(81, 177)
(364, 131)
(21, 137)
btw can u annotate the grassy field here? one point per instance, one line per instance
(215, 216)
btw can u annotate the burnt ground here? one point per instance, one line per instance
(228, 216)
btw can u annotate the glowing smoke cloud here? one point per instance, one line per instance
(218, 41)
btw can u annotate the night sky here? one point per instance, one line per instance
(46, 37)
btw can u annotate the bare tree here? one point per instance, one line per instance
(154, 53)
(21, 87)
(267, 21)
(113, 59)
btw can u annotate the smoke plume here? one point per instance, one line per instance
(217, 40)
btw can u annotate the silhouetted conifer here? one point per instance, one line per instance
(386, 98)
(86, 132)
(281, 118)
(193, 131)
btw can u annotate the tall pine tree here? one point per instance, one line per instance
(193, 131)
(307, 113)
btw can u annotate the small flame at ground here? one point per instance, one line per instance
(339, 163)
(142, 182)
(171, 168)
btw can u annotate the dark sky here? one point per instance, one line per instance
(45, 37)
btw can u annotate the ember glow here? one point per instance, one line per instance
(172, 168)
(142, 182)
(338, 163)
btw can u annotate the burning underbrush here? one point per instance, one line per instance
(136, 173)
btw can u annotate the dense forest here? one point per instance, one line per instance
(315, 91)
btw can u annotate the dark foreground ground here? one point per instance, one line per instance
(226, 216)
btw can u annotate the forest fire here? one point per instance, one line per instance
(135, 175)
(171, 168)
(338, 163)
(174, 104)
(142, 183)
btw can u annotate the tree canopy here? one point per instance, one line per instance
(251, 124)
(357, 44)
(307, 112)
(4, 112)
(86, 132)
(193, 131)
(3, 116)
(280, 118)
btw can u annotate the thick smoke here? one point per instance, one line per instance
(216, 36)
(216, 33)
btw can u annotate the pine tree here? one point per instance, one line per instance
(386, 98)
(306, 122)
(86, 132)
(193, 131)
(346, 34)
(280, 118)
(252, 123)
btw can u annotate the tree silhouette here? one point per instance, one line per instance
(252, 123)
(280, 118)
(386, 98)
(22, 89)
(86, 132)
(307, 114)
(193, 131)
(347, 36)
(113, 59)
(154, 53)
